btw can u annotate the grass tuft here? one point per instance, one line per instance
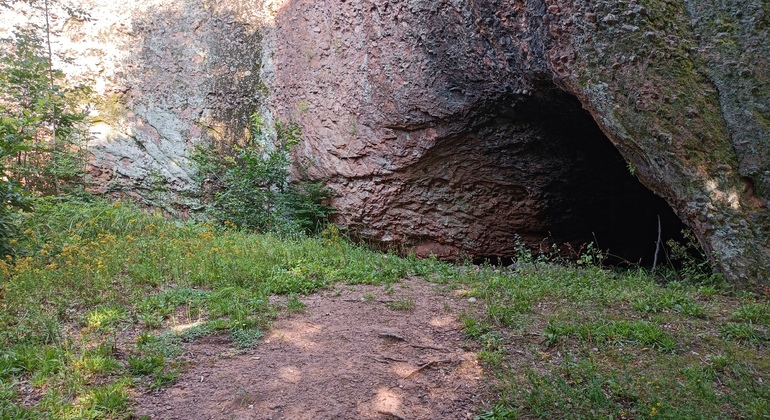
(406, 304)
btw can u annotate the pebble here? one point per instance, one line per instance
(610, 19)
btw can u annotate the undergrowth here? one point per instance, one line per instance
(102, 297)
(249, 185)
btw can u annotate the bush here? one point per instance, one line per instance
(250, 185)
(695, 266)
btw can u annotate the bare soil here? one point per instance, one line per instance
(350, 355)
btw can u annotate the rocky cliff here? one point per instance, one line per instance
(168, 76)
(453, 126)
(456, 127)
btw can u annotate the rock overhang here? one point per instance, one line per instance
(419, 114)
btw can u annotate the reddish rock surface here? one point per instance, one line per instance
(453, 126)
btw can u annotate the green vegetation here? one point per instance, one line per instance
(42, 119)
(98, 299)
(42, 126)
(568, 341)
(249, 185)
(406, 304)
(106, 296)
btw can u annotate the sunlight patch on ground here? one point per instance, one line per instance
(298, 333)
(180, 328)
(402, 370)
(443, 321)
(387, 401)
(291, 374)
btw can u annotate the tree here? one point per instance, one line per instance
(42, 113)
(43, 123)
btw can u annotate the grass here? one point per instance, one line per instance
(106, 296)
(406, 304)
(581, 341)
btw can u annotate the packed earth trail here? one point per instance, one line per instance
(354, 352)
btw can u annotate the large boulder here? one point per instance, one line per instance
(460, 128)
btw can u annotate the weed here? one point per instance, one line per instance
(167, 345)
(145, 365)
(109, 401)
(500, 412)
(244, 397)
(743, 332)
(294, 305)
(197, 331)
(103, 318)
(406, 304)
(492, 349)
(695, 267)
(670, 300)
(473, 327)
(616, 332)
(164, 378)
(758, 313)
(720, 363)
(245, 338)
(591, 255)
(97, 361)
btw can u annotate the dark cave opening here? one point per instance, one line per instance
(595, 198)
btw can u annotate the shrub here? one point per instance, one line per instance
(695, 265)
(250, 185)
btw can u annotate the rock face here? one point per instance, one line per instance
(168, 76)
(455, 127)
(452, 126)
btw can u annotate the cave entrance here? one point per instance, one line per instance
(593, 195)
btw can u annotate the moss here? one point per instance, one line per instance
(687, 106)
(763, 22)
(763, 118)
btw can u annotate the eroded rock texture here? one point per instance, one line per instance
(452, 126)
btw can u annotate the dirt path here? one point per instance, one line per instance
(349, 356)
